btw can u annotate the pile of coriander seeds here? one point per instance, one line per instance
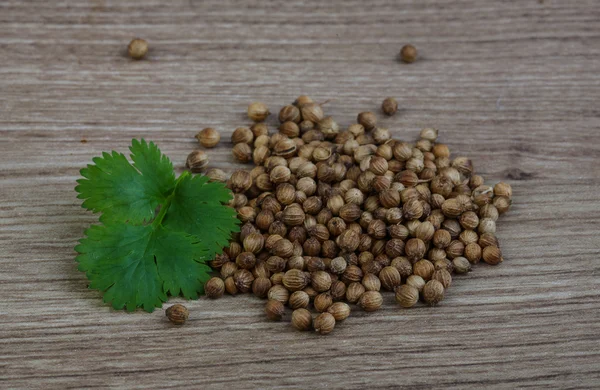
(332, 217)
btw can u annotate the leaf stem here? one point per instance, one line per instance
(165, 207)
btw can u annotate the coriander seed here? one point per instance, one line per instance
(324, 323)
(208, 137)
(197, 161)
(389, 106)
(367, 119)
(274, 310)
(177, 314)
(214, 288)
(137, 49)
(301, 319)
(433, 292)
(299, 300)
(408, 54)
(370, 301)
(407, 295)
(339, 310)
(258, 112)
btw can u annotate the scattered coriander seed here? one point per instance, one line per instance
(408, 53)
(367, 119)
(433, 292)
(258, 112)
(301, 319)
(370, 301)
(214, 288)
(208, 137)
(274, 310)
(197, 161)
(407, 295)
(177, 314)
(137, 49)
(389, 106)
(324, 323)
(416, 281)
(299, 300)
(339, 310)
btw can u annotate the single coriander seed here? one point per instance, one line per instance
(197, 161)
(137, 49)
(274, 310)
(208, 137)
(324, 323)
(407, 295)
(258, 111)
(389, 106)
(214, 288)
(177, 314)
(301, 319)
(433, 292)
(408, 53)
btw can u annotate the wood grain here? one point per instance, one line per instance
(513, 85)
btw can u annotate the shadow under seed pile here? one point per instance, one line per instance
(332, 217)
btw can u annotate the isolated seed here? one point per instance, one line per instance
(177, 314)
(408, 54)
(137, 48)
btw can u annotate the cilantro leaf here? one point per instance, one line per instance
(195, 208)
(139, 265)
(156, 232)
(125, 192)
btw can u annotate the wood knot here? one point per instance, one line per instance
(518, 174)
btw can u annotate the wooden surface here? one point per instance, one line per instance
(513, 85)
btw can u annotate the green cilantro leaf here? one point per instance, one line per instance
(195, 209)
(125, 192)
(137, 263)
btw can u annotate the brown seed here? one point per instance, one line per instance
(442, 276)
(278, 293)
(137, 48)
(295, 280)
(177, 314)
(311, 112)
(390, 278)
(209, 137)
(371, 282)
(415, 249)
(424, 269)
(299, 299)
(408, 54)
(354, 291)
(322, 302)
(461, 265)
(242, 152)
(370, 300)
(197, 161)
(433, 292)
(274, 310)
(407, 295)
(258, 112)
(339, 310)
(230, 286)
(389, 106)
(416, 281)
(321, 281)
(324, 323)
(301, 319)
(472, 253)
(243, 280)
(503, 189)
(367, 119)
(289, 113)
(214, 288)
(492, 255)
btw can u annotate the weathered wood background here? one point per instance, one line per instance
(514, 85)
